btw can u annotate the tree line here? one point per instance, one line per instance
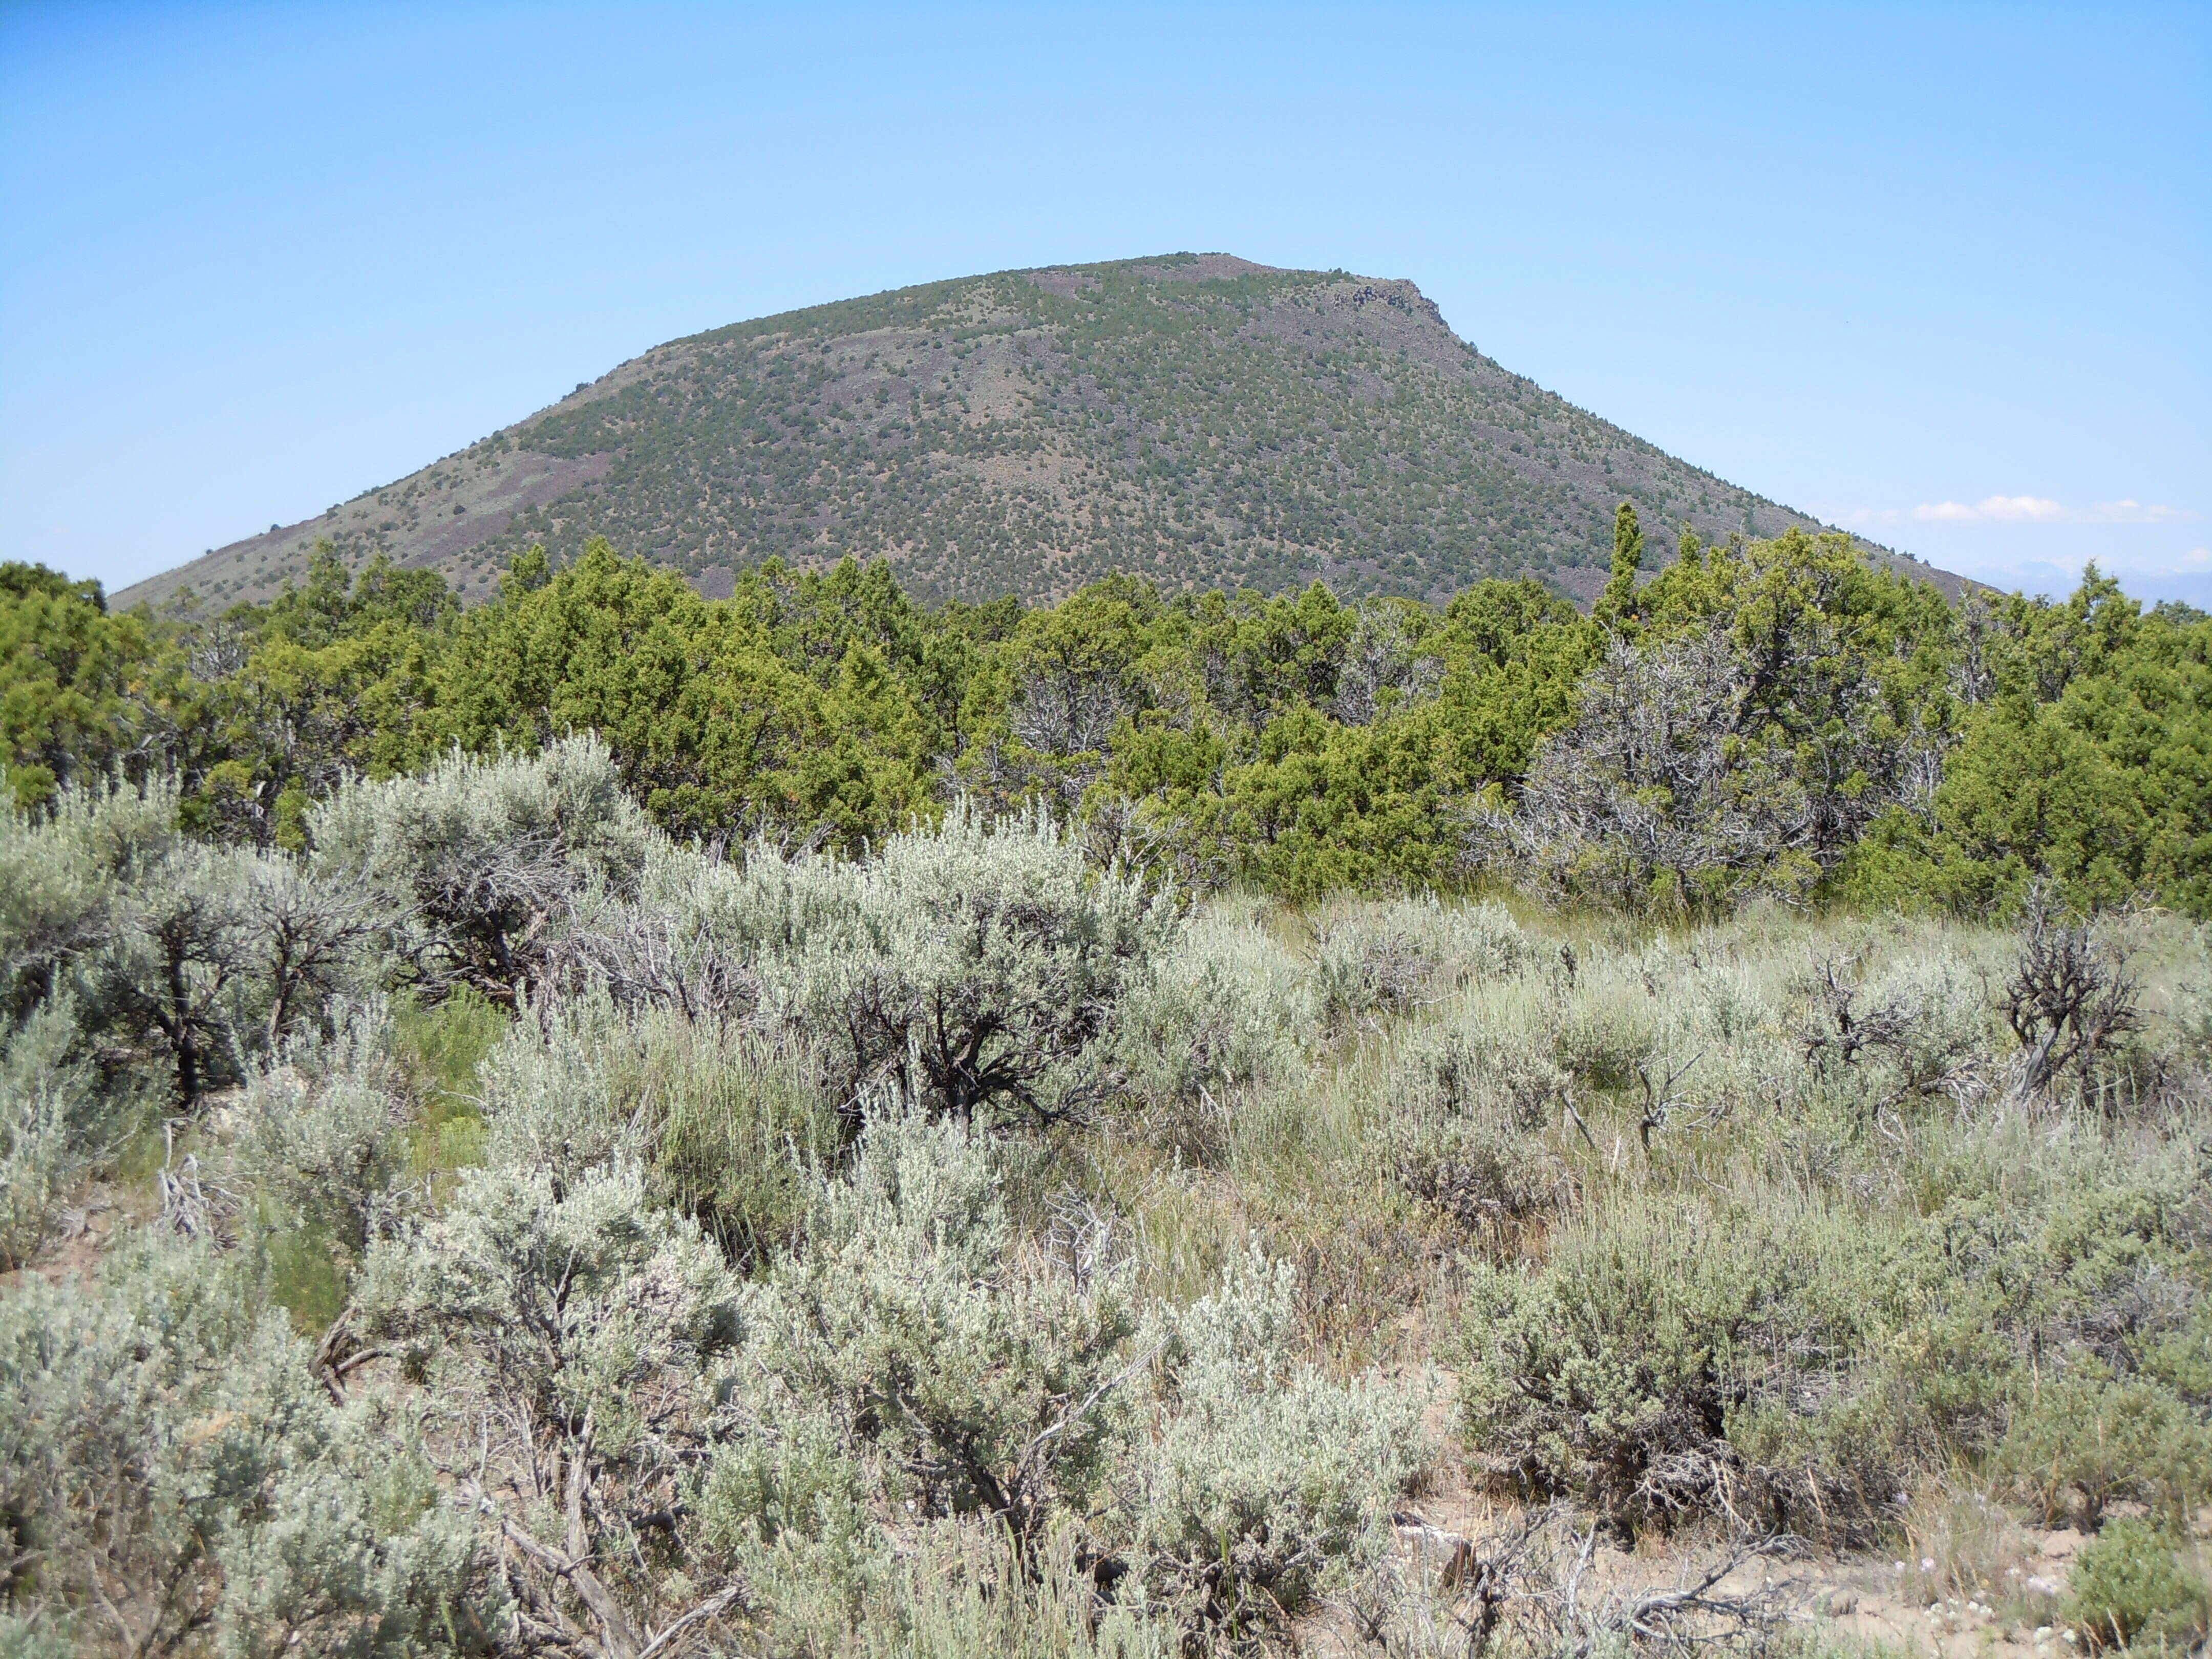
(1764, 718)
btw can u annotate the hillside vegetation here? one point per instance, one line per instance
(613, 1123)
(1199, 420)
(1768, 718)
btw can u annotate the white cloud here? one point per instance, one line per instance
(2197, 555)
(1993, 509)
(2010, 509)
(2131, 512)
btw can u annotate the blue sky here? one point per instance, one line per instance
(1942, 274)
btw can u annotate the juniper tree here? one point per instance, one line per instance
(1616, 606)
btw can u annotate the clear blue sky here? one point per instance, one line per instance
(1941, 273)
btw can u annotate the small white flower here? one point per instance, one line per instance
(1927, 1564)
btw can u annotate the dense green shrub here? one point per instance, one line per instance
(77, 684)
(50, 1119)
(474, 862)
(1796, 1358)
(1226, 1007)
(1265, 1483)
(318, 1133)
(172, 1465)
(1671, 1360)
(980, 964)
(2081, 1442)
(1765, 718)
(2129, 1588)
(978, 1380)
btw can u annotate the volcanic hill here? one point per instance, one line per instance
(1196, 418)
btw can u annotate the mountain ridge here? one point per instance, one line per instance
(1198, 419)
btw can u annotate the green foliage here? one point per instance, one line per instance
(1225, 1008)
(795, 705)
(1779, 699)
(50, 1117)
(325, 683)
(1793, 1359)
(2079, 751)
(76, 684)
(2129, 1588)
(1267, 1483)
(171, 1463)
(439, 1047)
(972, 1380)
(979, 963)
(1614, 1374)
(1296, 744)
(958, 1239)
(469, 864)
(1762, 718)
(2085, 1441)
(1616, 606)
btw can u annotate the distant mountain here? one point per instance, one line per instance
(1197, 418)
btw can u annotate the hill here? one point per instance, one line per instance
(1198, 419)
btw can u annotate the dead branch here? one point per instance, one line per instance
(2070, 996)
